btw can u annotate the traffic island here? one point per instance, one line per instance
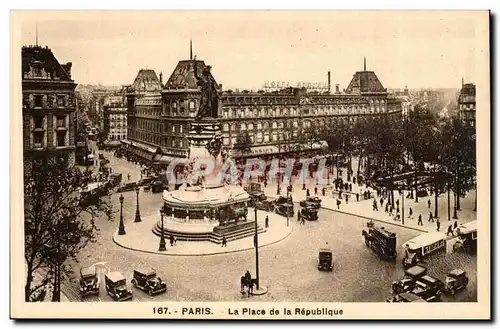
(261, 291)
(140, 237)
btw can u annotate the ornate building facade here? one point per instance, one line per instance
(49, 104)
(270, 118)
(115, 118)
(467, 104)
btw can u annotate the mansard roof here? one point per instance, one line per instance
(365, 82)
(40, 63)
(146, 80)
(183, 75)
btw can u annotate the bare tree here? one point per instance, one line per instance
(54, 223)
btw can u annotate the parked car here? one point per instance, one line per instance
(405, 297)
(157, 186)
(116, 286)
(455, 280)
(147, 280)
(89, 281)
(127, 187)
(309, 213)
(311, 201)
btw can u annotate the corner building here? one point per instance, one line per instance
(49, 104)
(159, 116)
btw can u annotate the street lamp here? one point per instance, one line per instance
(121, 229)
(256, 241)
(137, 212)
(163, 246)
(287, 198)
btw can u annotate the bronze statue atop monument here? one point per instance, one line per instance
(209, 102)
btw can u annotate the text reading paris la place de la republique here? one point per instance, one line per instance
(285, 311)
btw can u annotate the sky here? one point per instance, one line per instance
(245, 49)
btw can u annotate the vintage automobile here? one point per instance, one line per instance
(127, 187)
(90, 194)
(428, 291)
(422, 246)
(409, 280)
(312, 201)
(115, 179)
(89, 281)
(265, 205)
(455, 280)
(325, 259)
(146, 280)
(283, 207)
(467, 237)
(116, 286)
(157, 186)
(405, 297)
(309, 213)
(146, 181)
(255, 197)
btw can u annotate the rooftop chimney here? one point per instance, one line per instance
(67, 67)
(329, 82)
(161, 78)
(337, 90)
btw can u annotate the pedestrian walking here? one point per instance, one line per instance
(450, 230)
(303, 220)
(323, 191)
(171, 240)
(338, 204)
(397, 202)
(381, 202)
(299, 215)
(455, 225)
(346, 198)
(411, 213)
(357, 196)
(429, 203)
(308, 193)
(315, 190)
(387, 207)
(224, 241)
(397, 209)
(128, 176)
(340, 194)
(267, 221)
(350, 187)
(375, 207)
(354, 180)
(175, 240)
(438, 224)
(420, 220)
(431, 218)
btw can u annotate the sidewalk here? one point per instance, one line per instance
(139, 237)
(364, 208)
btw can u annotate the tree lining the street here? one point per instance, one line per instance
(55, 225)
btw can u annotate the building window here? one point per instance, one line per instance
(275, 137)
(180, 129)
(259, 126)
(233, 140)
(61, 138)
(250, 126)
(252, 139)
(266, 125)
(226, 141)
(233, 127)
(280, 124)
(259, 137)
(191, 105)
(38, 100)
(275, 125)
(225, 127)
(61, 122)
(173, 129)
(266, 138)
(38, 121)
(243, 126)
(38, 138)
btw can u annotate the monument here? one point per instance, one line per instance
(204, 208)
